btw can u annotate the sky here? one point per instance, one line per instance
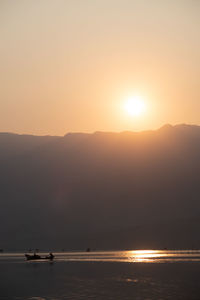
(70, 65)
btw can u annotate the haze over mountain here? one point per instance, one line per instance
(102, 190)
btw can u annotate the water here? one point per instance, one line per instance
(102, 275)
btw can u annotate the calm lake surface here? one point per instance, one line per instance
(102, 275)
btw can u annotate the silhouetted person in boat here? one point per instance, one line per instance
(36, 256)
(50, 256)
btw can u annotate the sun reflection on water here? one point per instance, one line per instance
(145, 255)
(127, 256)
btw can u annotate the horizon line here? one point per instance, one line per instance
(165, 125)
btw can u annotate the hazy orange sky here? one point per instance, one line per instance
(69, 65)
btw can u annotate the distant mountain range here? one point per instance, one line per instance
(103, 190)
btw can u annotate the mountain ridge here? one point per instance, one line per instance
(165, 126)
(84, 190)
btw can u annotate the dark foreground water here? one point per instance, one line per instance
(135, 275)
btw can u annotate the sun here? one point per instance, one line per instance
(135, 106)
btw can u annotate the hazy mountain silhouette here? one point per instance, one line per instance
(103, 190)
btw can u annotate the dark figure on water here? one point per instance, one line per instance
(51, 256)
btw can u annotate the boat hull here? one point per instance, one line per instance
(38, 257)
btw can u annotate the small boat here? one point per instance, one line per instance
(38, 257)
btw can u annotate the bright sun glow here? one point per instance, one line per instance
(135, 106)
